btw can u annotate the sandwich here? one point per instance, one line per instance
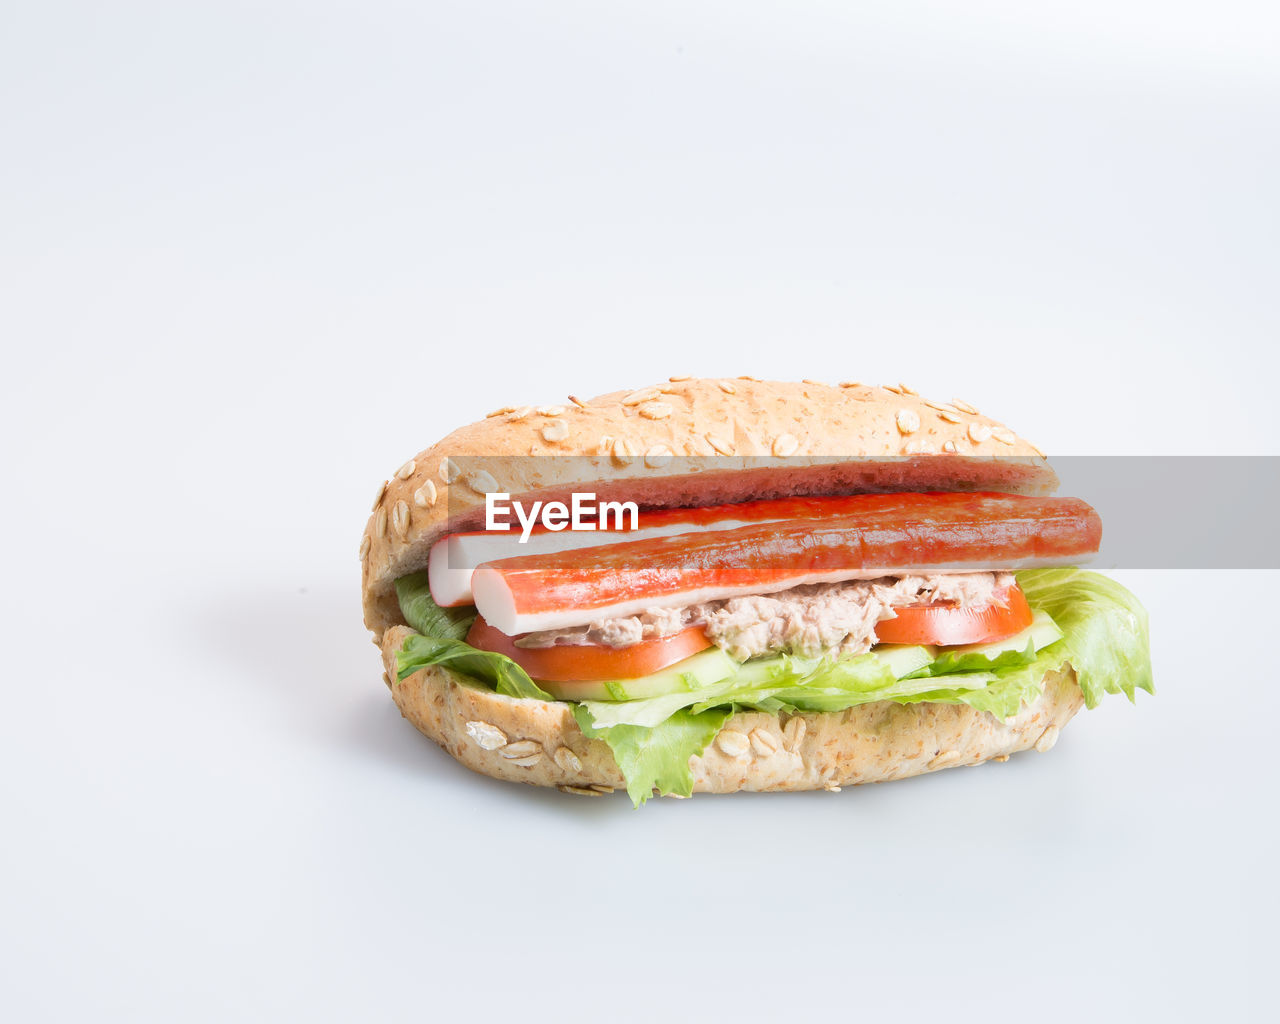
(711, 586)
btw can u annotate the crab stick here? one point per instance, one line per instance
(859, 537)
(454, 558)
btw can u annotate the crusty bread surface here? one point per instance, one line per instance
(688, 442)
(539, 743)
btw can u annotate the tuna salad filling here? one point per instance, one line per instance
(811, 620)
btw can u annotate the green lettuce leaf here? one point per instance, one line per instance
(657, 757)
(1104, 629)
(950, 663)
(427, 617)
(758, 684)
(783, 683)
(1001, 692)
(499, 671)
(440, 642)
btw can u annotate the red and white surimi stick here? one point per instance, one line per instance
(870, 535)
(454, 558)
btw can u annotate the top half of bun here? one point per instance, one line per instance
(688, 442)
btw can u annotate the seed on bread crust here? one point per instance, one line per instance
(793, 733)
(425, 496)
(555, 431)
(785, 444)
(486, 736)
(566, 760)
(656, 410)
(658, 456)
(1047, 739)
(763, 743)
(521, 748)
(623, 452)
(482, 482)
(400, 518)
(732, 743)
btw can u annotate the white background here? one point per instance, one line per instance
(253, 256)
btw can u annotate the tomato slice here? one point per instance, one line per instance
(590, 662)
(946, 624)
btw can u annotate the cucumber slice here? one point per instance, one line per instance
(903, 659)
(1042, 632)
(713, 666)
(694, 673)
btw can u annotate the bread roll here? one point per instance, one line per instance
(701, 442)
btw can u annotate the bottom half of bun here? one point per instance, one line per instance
(539, 743)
